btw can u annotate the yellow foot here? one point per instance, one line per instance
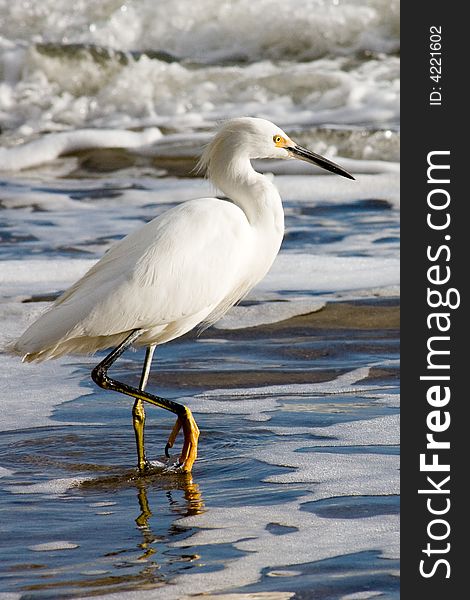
(144, 467)
(191, 434)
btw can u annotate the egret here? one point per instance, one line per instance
(184, 268)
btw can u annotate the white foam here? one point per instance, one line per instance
(333, 190)
(245, 596)
(284, 573)
(297, 167)
(53, 145)
(53, 546)
(296, 69)
(320, 274)
(245, 528)
(292, 94)
(330, 274)
(47, 385)
(39, 388)
(27, 277)
(326, 475)
(255, 403)
(318, 29)
(322, 475)
(381, 431)
(362, 595)
(266, 313)
(342, 384)
(389, 399)
(331, 475)
(24, 197)
(50, 488)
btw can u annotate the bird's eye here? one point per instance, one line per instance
(277, 139)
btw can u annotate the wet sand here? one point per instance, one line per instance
(368, 326)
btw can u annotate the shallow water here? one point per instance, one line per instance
(295, 490)
(80, 522)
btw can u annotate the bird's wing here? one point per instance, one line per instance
(183, 263)
(180, 265)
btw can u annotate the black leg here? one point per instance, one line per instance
(185, 418)
(100, 377)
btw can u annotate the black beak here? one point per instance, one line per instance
(316, 159)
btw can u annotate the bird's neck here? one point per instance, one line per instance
(251, 191)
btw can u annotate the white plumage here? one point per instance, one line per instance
(185, 268)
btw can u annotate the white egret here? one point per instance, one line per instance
(184, 268)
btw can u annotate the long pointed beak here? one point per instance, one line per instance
(316, 159)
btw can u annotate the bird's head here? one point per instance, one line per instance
(249, 137)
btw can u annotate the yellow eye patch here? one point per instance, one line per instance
(279, 141)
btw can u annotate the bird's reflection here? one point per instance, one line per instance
(193, 505)
(147, 487)
(156, 560)
(142, 523)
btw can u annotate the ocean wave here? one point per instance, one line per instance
(51, 91)
(51, 146)
(185, 65)
(211, 30)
